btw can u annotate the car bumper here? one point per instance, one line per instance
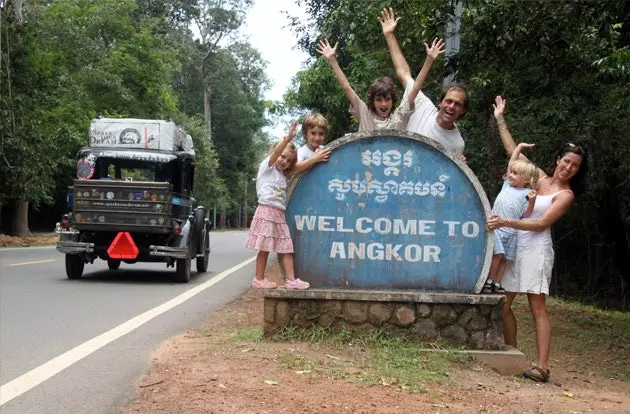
(167, 251)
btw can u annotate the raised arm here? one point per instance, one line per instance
(433, 52)
(499, 114)
(328, 52)
(388, 24)
(508, 142)
(277, 151)
(517, 153)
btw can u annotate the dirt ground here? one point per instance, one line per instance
(209, 370)
(36, 239)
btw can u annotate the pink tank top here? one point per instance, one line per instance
(537, 238)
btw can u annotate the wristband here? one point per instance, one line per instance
(286, 138)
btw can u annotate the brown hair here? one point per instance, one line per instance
(291, 147)
(314, 120)
(461, 87)
(528, 169)
(382, 87)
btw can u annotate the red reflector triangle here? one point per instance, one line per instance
(123, 247)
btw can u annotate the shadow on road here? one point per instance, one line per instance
(138, 276)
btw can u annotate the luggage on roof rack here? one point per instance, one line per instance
(158, 135)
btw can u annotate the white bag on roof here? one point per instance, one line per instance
(139, 133)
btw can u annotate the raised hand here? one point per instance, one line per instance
(499, 107)
(388, 20)
(436, 49)
(292, 130)
(324, 49)
(522, 145)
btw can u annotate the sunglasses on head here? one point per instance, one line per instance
(572, 145)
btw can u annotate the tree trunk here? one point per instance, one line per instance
(238, 216)
(245, 218)
(18, 5)
(19, 224)
(207, 110)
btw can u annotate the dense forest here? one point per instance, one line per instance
(564, 67)
(65, 62)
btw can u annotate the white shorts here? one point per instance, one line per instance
(531, 270)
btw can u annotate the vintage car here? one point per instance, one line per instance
(132, 200)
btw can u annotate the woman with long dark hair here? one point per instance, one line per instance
(530, 272)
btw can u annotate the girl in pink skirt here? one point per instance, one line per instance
(269, 231)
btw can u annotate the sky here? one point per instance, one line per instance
(267, 29)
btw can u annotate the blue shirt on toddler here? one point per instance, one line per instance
(511, 203)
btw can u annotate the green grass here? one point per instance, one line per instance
(584, 337)
(251, 335)
(374, 358)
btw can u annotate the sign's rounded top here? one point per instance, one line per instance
(356, 136)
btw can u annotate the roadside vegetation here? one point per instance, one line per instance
(587, 341)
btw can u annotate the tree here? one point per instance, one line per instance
(229, 94)
(104, 62)
(216, 21)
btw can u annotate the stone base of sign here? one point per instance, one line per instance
(455, 319)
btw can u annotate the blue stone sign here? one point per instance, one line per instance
(390, 210)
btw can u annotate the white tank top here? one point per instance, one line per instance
(537, 238)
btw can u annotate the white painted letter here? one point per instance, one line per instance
(337, 249)
(375, 251)
(451, 227)
(415, 255)
(308, 220)
(392, 252)
(433, 253)
(404, 226)
(424, 228)
(356, 251)
(383, 225)
(470, 229)
(323, 223)
(340, 227)
(359, 225)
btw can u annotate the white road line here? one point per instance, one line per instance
(36, 376)
(28, 263)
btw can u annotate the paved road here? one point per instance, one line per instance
(44, 315)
